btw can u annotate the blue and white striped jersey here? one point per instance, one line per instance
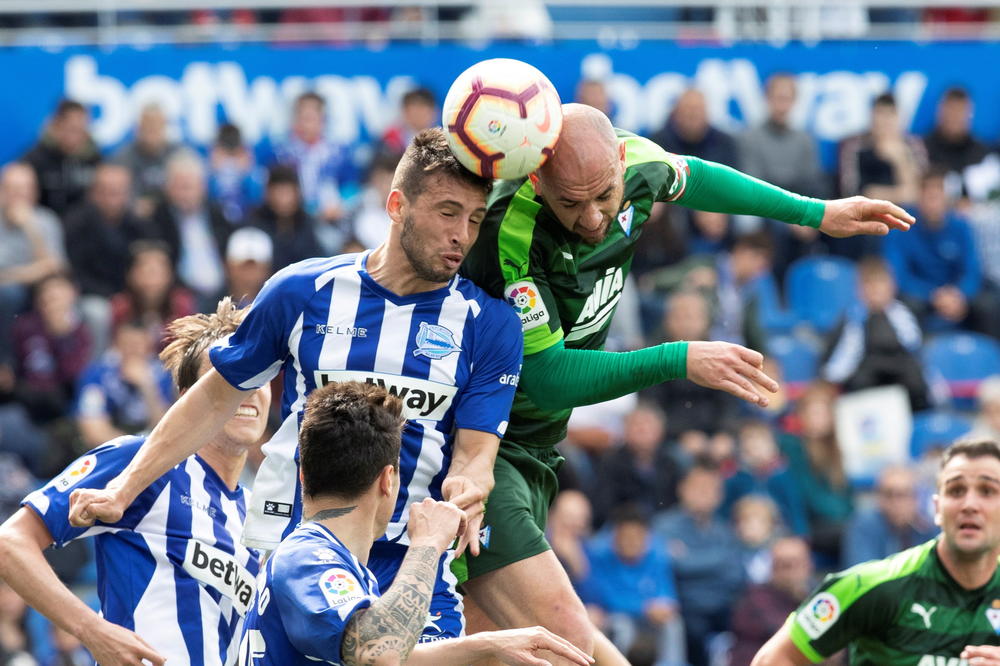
(172, 569)
(311, 586)
(452, 355)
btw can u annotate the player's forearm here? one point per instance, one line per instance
(560, 378)
(189, 424)
(721, 189)
(24, 568)
(473, 457)
(392, 625)
(452, 652)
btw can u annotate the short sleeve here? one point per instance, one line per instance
(254, 353)
(667, 173)
(316, 603)
(837, 614)
(92, 470)
(484, 403)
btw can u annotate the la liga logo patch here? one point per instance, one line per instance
(528, 304)
(75, 472)
(819, 615)
(339, 587)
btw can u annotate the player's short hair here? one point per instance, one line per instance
(427, 155)
(350, 432)
(970, 448)
(191, 336)
(419, 96)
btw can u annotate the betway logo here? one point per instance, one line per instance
(600, 304)
(935, 660)
(220, 571)
(422, 398)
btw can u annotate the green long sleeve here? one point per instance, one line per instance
(560, 378)
(719, 189)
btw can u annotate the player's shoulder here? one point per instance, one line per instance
(867, 577)
(309, 275)
(307, 557)
(492, 310)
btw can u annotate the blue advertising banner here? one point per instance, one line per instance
(253, 86)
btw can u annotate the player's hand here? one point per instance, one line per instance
(434, 524)
(521, 646)
(860, 216)
(87, 505)
(470, 497)
(982, 655)
(730, 368)
(112, 645)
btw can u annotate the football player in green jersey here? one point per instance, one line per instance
(559, 246)
(933, 605)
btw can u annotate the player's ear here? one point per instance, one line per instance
(394, 205)
(621, 151)
(387, 480)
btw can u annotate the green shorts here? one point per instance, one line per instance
(514, 527)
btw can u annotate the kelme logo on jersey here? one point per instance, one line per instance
(435, 341)
(421, 398)
(600, 305)
(75, 472)
(528, 304)
(819, 614)
(219, 570)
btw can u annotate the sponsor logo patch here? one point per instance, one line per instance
(819, 614)
(219, 570)
(421, 398)
(75, 473)
(625, 220)
(528, 304)
(435, 341)
(484, 537)
(993, 615)
(272, 508)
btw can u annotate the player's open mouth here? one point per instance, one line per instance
(968, 527)
(452, 259)
(248, 411)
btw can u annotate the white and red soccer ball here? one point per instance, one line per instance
(503, 118)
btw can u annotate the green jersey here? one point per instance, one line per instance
(565, 289)
(905, 610)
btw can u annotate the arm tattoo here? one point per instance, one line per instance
(394, 622)
(331, 513)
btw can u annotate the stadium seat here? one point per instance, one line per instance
(819, 289)
(962, 360)
(935, 428)
(798, 360)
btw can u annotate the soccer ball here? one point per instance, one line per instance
(503, 118)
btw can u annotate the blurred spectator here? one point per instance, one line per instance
(703, 550)
(878, 341)
(151, 293)
(894, 525)
(418, 111)
(764, 608)
(98, 234)
(283, 218)
(248, 263)
(688, 132)
(51, 348)
(69, 651)
(15, 479)
(64, 158)
(31, 245)
(146, 158)
(640, 471)
(816, 462)
(568, 527)
(758, 525)
(234, 180)
(370, 222)
(593, 92)
(194, 229)
(124, 392)
(936, 263)
(779, 153)
(951, 144)
(632, 589)
(15, 646)
(323, 166)
(987, 423)
(687, 405)
(883, 163)
(592, 431)
(763, 471)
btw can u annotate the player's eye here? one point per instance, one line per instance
(604, 197)
(571, 204)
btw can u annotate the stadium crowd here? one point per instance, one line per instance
(690, 523)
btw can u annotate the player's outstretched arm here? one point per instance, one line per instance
(470, 480)
(780, 651)
(863, 216)
(23, 538)
(387, 631)
(188, 425)
(525, 647)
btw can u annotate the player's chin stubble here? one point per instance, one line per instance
(420, 256)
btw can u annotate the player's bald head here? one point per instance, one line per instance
(587, 141)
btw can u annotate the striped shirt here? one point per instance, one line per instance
(172, 569)
(452, 355)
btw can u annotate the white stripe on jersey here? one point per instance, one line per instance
(392, 343)
(202, 530)
(344, 307)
